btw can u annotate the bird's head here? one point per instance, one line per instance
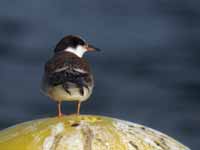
(74, 44)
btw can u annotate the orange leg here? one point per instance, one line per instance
(78, 108)
(59, 109)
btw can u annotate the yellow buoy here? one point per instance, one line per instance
(84, 132)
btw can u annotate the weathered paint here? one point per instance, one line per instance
(84, 133)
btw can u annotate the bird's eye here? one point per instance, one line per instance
(81, 42)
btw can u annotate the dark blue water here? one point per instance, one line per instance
(148, 71)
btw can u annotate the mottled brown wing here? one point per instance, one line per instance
(67, 67)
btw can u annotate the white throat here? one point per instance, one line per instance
(79, 50)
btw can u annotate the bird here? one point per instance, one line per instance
(67, 75)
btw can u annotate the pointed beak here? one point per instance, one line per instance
(92, 48)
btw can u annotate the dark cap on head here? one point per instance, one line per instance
(69, 41)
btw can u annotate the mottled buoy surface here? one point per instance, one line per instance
(84, 133)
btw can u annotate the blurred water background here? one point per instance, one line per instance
(148, 71)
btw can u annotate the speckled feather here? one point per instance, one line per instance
(64, 68)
